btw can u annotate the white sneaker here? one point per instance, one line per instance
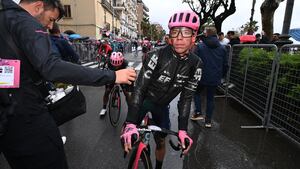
(64, 139)
(102, 112)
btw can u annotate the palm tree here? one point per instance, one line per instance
(252, 25)
(252, 10)
(287, 17)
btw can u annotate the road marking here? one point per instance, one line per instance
(139, 66)
(130, 64)
(94, 66)
(87, 64)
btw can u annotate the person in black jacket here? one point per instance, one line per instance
(32, 139)
(233, 38)
(215, 65)
(62, 46)
(166, 73)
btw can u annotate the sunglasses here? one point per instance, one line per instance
(185, 32)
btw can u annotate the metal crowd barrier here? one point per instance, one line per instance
(87, 51)
(252, 71)
(285, 99)
(267, 82)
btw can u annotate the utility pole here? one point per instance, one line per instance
(113, 21)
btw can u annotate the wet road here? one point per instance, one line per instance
(92, 143)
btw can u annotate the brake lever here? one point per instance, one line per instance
(187, 143)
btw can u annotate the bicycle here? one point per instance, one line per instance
(141, 150)
(102, 61)
(114, 105)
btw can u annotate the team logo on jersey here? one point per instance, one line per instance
(152, 64)
(198, 74)
(164, 79)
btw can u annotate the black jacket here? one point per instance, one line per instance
(33, 41)
(65, 50)
(163, 76)
(215, 60)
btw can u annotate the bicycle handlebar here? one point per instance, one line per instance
(154, 128)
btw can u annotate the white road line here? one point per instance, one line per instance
(89, 63)
(94, 66)
(130, 64)
(139, 66)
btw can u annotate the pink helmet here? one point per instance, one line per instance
(116, 58)
(185, 18)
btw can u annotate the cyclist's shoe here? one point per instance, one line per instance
(64, 139)
(185, 140)
(102, 112)
(207, 123)
(197, 116)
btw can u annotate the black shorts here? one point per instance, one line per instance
(160, 113)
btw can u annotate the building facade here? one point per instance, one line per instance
(142, 12)
(95, 18)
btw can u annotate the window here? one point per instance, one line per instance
(67, 9)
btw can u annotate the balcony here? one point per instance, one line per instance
(107, 5)
(119, 7)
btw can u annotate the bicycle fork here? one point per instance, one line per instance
(142, 145)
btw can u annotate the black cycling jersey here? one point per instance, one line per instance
(163, 76)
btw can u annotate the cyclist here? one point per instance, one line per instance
(167, 72)
(117, 62)
(104, 50)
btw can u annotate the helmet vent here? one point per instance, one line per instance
(180, 17)
(187, 18)
(194, 20)
(174, 18)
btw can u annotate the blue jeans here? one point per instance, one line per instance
(210, 102)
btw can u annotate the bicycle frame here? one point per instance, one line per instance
(141, 147)
(145, 133)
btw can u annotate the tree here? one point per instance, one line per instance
(250, 27)
(149, 30)
(208, 9)
(145, 25)
(267, 10)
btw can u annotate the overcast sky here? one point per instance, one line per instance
(161, 10)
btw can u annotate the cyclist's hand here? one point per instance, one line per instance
(128, 131)
(125, 76)
(185, 140)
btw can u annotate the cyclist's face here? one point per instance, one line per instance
(182, 39)
(48, 17)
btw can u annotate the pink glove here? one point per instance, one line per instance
(182, 136)
(129, 129)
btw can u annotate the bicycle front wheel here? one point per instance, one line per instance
(144, 161)
(114, 107)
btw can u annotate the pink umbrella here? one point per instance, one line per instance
(247, 38)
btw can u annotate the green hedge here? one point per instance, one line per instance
(261, 60)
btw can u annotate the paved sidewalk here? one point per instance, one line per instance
(227, 146)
